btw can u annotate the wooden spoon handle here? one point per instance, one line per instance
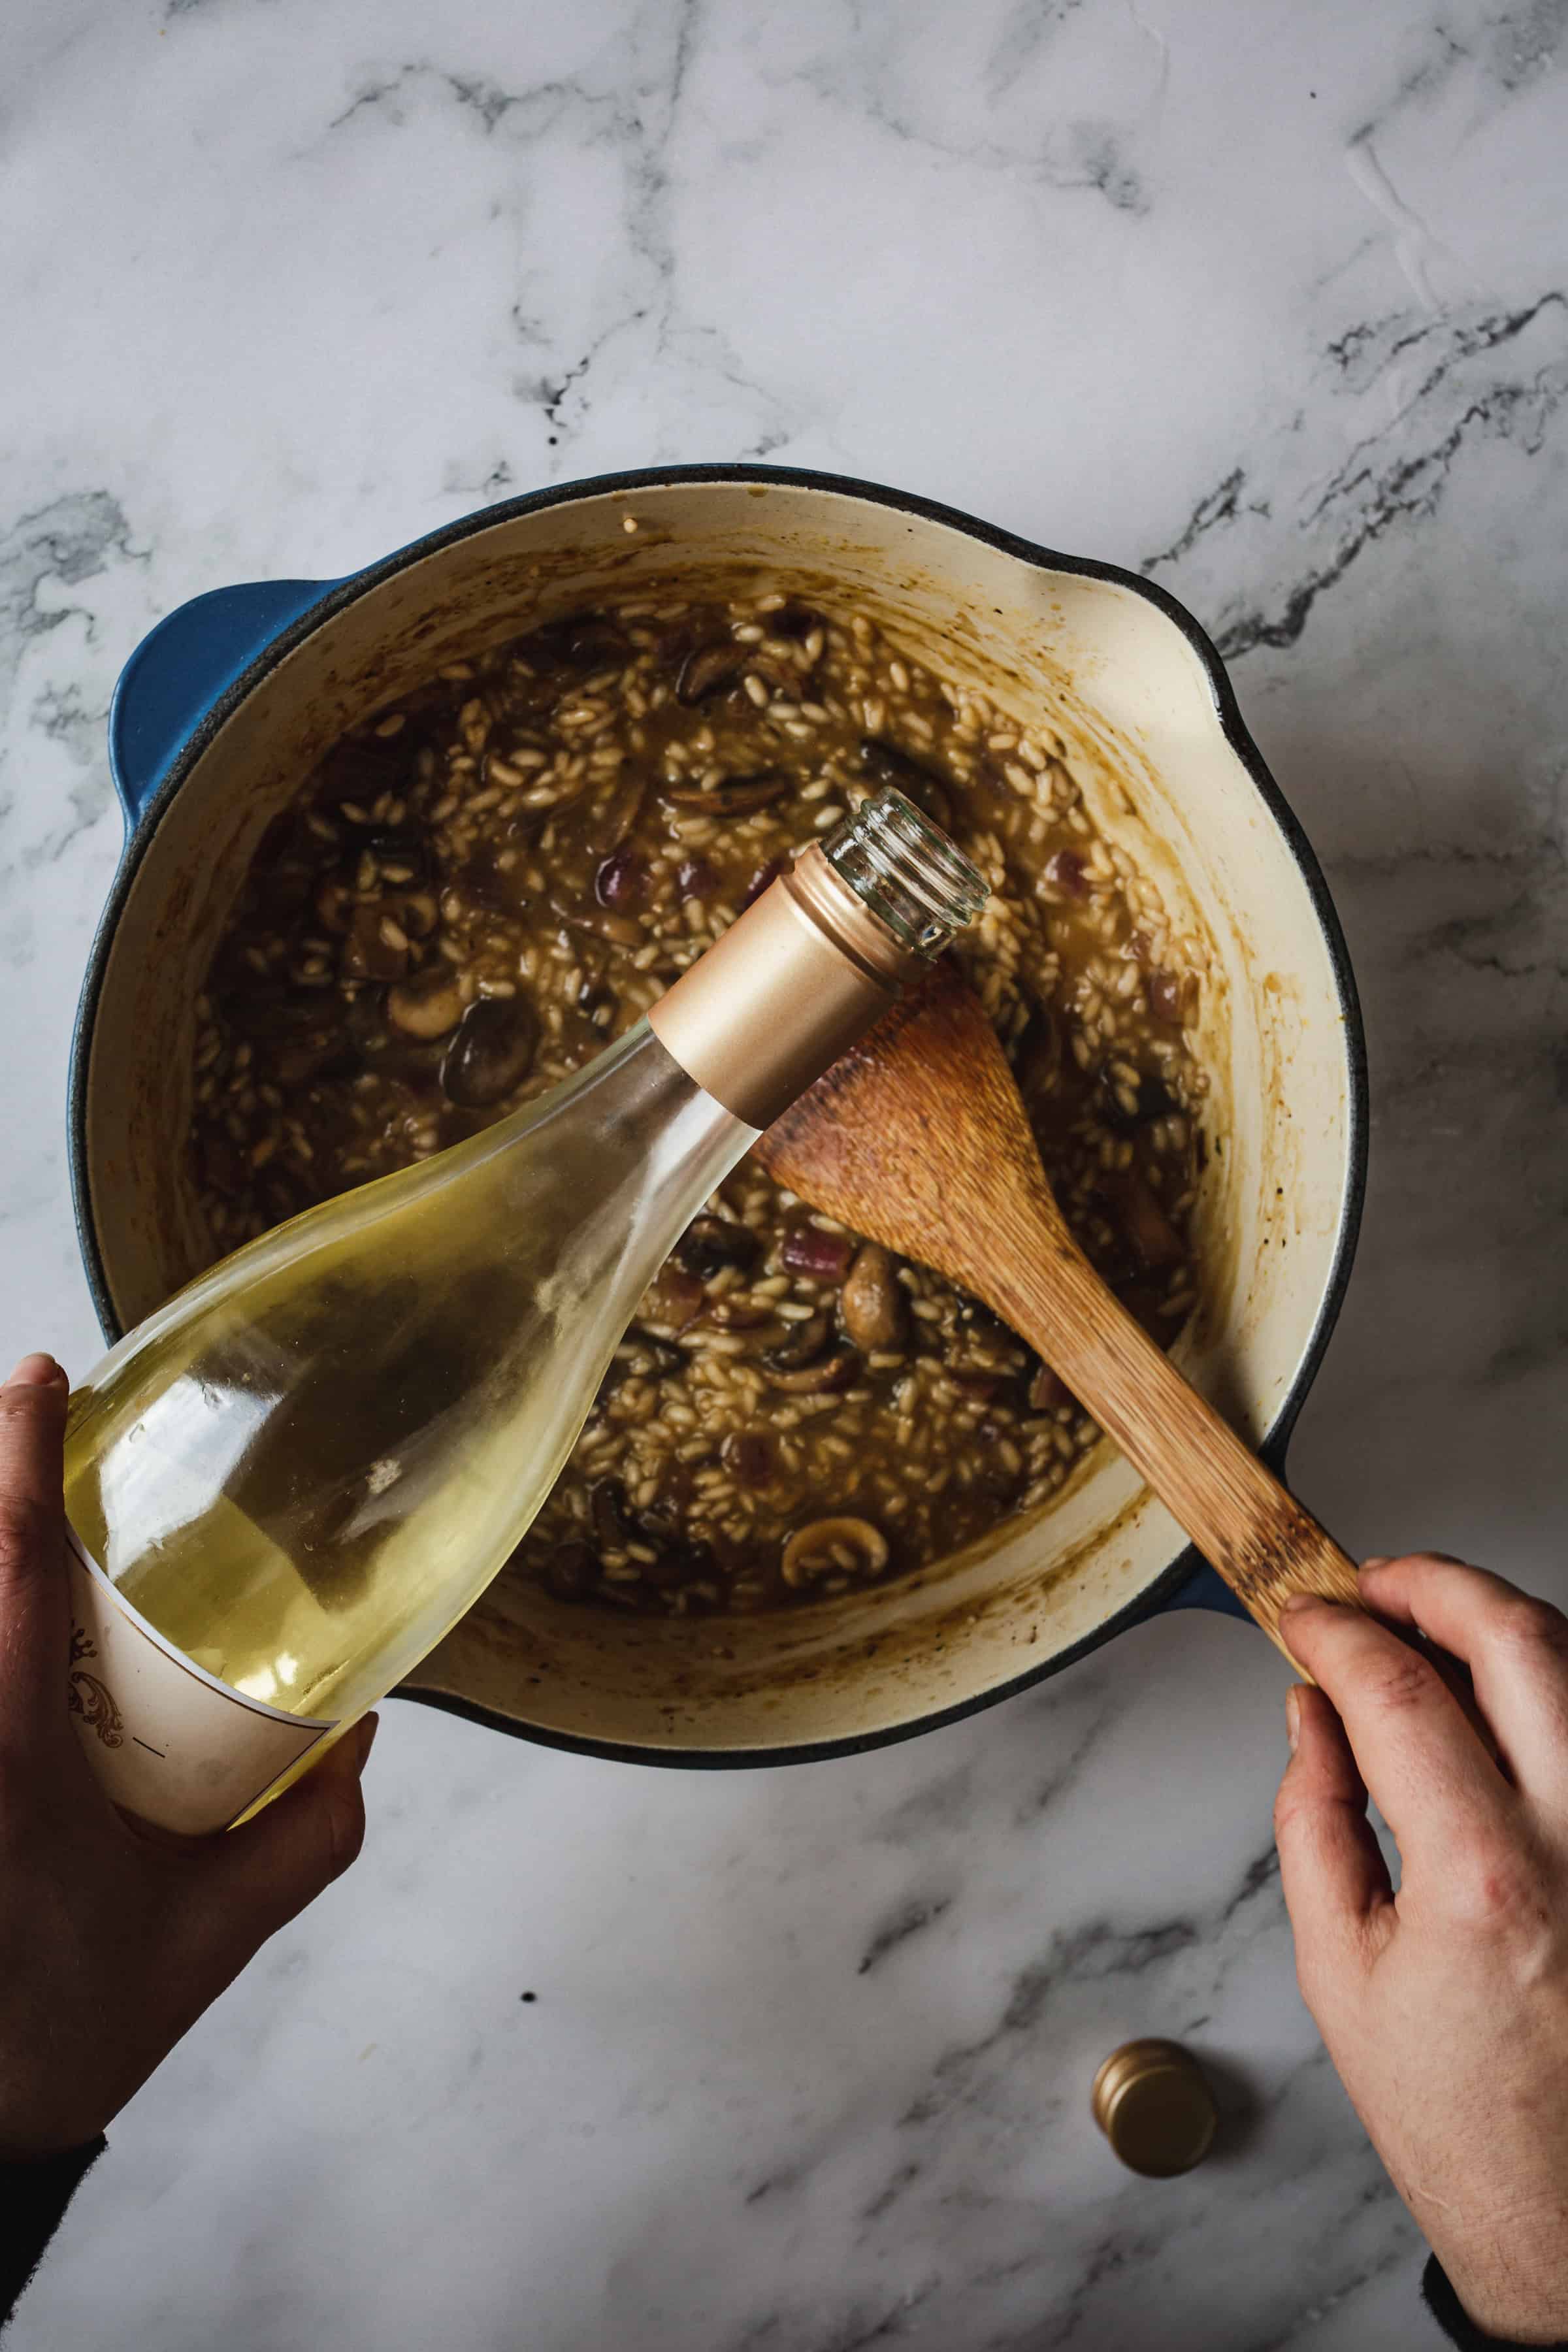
(1263, 1543)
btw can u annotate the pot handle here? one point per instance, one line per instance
(1206, 1589)
(182, 667)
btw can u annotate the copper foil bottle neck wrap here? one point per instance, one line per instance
(781, 994)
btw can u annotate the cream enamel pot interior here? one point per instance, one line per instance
(222, 711)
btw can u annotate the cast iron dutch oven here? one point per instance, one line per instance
(223, 710)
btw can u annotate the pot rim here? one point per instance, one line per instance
(339, 594)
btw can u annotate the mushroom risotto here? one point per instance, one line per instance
(492, 878)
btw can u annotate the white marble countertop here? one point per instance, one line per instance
(1268, 300)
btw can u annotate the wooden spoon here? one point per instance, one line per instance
(918, 1139)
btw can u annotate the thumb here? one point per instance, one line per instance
(256, 1879)
(1335, 1881)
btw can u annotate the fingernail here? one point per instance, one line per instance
(35, 1372)
(1293, 1716)
(1299, 1602)
(367, 1731)
(1377, 1560)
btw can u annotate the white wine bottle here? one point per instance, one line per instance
(288, 1484)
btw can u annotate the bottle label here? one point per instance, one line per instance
(169, 1741)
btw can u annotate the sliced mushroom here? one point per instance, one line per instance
(739, 1313)
(492, 1051)
(673, 1300)
(872, 1304)
(710, 1243)
(735, 796)
(1048, 1392)
(391, 1052)
(843, 1546)
(834, 1372)
(1153, 1240)
(886, 764)
(802, 1343)
(615, 816)
(1168, 994)
(709, 669)
(428, 1004)
(695, 878)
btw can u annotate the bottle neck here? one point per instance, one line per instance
(809, 968)
(905, 873)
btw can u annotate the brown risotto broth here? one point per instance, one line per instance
(485, 882)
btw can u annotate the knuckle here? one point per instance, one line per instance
(1288, 1808)
(1493, 1885)
(1525, 1623)
(1402, 1684)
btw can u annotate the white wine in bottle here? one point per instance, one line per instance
(288, 1484)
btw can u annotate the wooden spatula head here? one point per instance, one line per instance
(916, 1138)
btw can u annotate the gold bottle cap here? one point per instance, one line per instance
(1154, 2107)
(818, 958)
(794, 984)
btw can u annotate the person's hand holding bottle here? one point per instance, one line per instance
(112, 1942)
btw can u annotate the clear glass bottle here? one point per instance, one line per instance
(286, 1485)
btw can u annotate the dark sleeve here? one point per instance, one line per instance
(1455, 2322)
(33, 2197)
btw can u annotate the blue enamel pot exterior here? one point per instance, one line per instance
(224, 705)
